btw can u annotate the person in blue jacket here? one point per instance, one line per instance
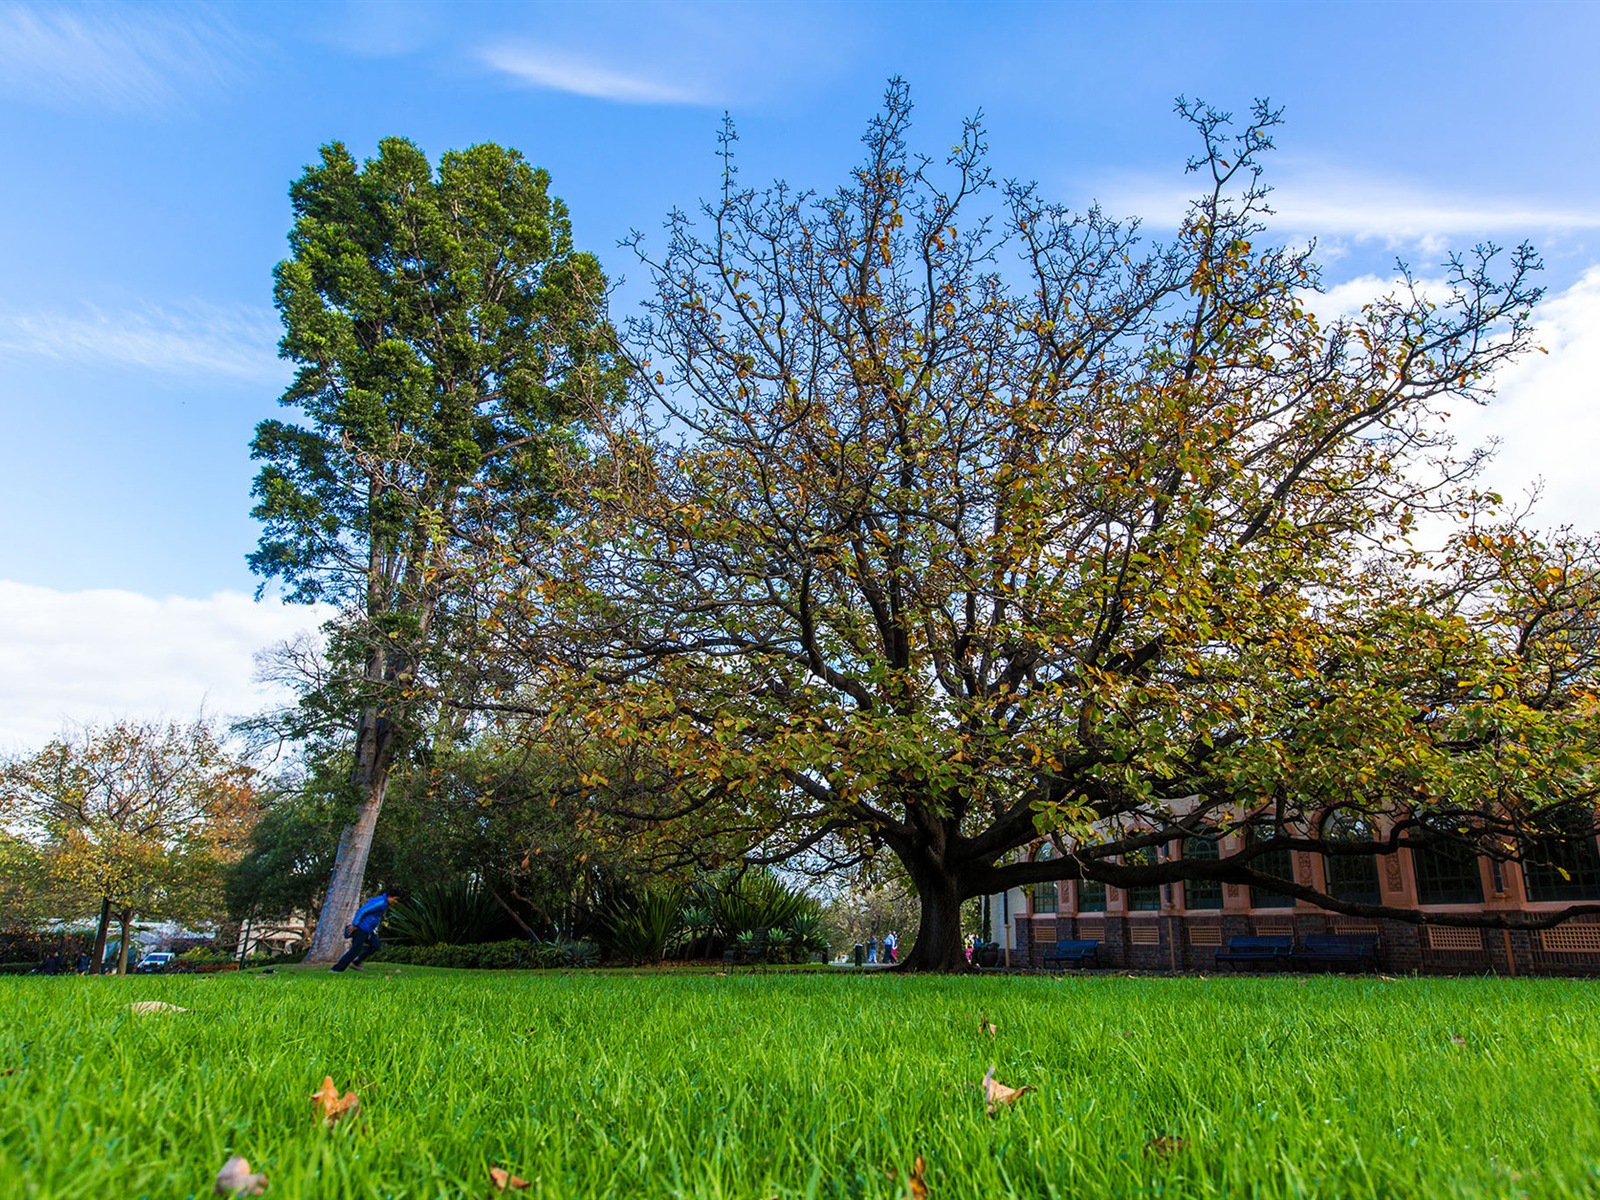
(363, 932)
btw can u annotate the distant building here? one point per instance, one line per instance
(1180, 926)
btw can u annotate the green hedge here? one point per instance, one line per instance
(495, 956)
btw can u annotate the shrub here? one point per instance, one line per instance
(457, 912)
(638, 927)
(755, 900)
(511, 955)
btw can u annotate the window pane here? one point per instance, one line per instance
(1201, 893)
(1562, 869)
(1352, 879)
(1274, 862)
(1091, 896)
(1447, 873)
(1044, 894)
(1147, 898)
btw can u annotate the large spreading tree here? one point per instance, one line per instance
(947, 521)
(446, 332)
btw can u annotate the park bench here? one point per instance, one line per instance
(1256, 953)
(1068, 950)
(1338, 952)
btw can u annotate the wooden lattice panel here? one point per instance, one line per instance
(1445, 937)
(1092, 930)
(1571, 939)
(1271, 928)
(1144, 934)
(1354, 927)
(1205, 935)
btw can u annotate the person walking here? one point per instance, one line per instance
(891, 947)
(872, 949)
(363, 932)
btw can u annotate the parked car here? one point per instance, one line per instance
(154, 964)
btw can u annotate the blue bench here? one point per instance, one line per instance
(1338, 951)
(1068, 950)
(1256, 953)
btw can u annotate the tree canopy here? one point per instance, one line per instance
(944, 519)
(137, 818)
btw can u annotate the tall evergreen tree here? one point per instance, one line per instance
(447, 334)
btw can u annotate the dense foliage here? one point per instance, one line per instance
(947, 520)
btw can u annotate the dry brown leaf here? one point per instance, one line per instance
(915, 1184)
(9, 1071)
(503, 1179)
(1164, 1146)
(996, 1094)
(918, 1185)
(986, 1026)
(1459, 1040)
(332, 1104)
(236, 1179)
(154, 1006)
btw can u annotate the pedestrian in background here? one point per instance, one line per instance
(363, 932)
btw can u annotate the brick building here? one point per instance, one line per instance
(1180, 926)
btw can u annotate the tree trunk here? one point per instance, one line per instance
(98, 957)
(374, 753)
(124, 919)
(938, 946)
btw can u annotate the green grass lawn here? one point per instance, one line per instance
(600, 1084)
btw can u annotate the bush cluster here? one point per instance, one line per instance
(515, 954)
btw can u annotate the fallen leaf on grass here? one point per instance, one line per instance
(503, 1179)
(332, 1104)
(154, 1006)
(236, 1179)
(9, 1071)
(915, 1183)
(1459, 1040)
(996, 1093)
(1164, 1146)
(987, 1026)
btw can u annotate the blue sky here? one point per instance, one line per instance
(149, 149)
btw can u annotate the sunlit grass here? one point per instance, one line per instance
(791, 1085)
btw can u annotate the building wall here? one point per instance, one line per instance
(1175, 938)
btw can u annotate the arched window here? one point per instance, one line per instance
(1277, 862)
(1045, 894)
(1351, 879)
(1201, 893)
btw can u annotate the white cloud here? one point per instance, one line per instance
(98, 56)
(240, 342)
(1547, 413)
(103, 654)
(566, 72)
(1327, 203)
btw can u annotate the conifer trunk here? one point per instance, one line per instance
(374, 756)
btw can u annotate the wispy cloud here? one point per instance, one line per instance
(111, 57)
(193, 340)
(106, 653)
(563, 71)
(1341, 204)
